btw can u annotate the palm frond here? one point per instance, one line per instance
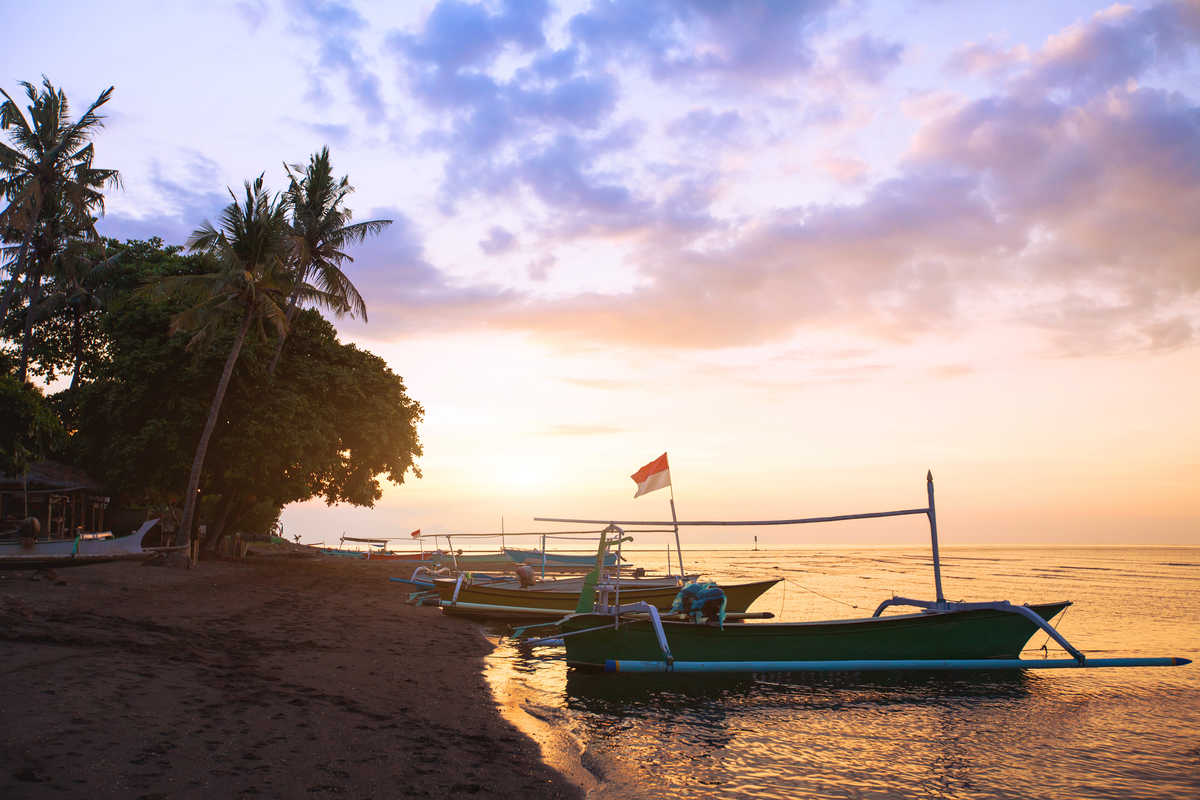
(352, 234)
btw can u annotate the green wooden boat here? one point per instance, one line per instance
(591, 640)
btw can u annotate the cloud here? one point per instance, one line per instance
(1114, 46)
(335, 28)
(1064, 202)
(582, 430)
(447, 65)
(986, 59)
(686, 40)
(465, 35)
(253, 11)
(843, 169)
(703, 123)
(539, 269)
(183, 203)
(405, 292)
(498, 241)
(330, 133)
(868, 59)
(506, 102)
(563, 175)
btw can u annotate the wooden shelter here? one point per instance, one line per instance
(64, 499)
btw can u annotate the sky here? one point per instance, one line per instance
(809, 249)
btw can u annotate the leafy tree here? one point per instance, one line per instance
(334, 425)
(335, 421)
(52, 189)
(139, 416)
(29, 428)
(320, 230)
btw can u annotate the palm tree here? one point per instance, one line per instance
(250, 286)
(320, 230)
(52, 189)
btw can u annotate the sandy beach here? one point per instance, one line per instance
(272, 677)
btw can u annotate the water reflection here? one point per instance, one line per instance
(599, 692)
(1052, 735)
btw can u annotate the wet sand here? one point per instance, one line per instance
(273, 677)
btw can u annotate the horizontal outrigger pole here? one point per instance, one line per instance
(928, 511)
(886, 665)
(735, 523)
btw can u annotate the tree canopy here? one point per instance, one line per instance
(157, 342)
(332, 422)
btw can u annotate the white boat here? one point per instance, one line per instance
(86, 548)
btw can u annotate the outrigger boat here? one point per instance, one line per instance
(941, 635)
(537, 558)
(549, 600)
(491, 597)
(85, 548)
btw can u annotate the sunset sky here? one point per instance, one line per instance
(810, 249)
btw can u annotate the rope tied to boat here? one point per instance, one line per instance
(786, 581)
(1043, 648)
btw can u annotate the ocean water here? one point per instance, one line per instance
(1054, 734)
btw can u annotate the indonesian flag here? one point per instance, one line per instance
(655, 475)
(416, 533)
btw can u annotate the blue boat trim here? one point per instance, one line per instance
(613, 665)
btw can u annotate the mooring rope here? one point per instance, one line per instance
(1060, 622)
(818, 594)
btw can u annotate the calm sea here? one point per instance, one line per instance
(1060, 734)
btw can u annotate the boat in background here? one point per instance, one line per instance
(83, 549)
(388, 555)
(474, 562)
(342, 552)
(551, 599)
(538, 558)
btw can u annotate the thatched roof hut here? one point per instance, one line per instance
(63, 498)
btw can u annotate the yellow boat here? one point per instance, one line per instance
(554, 598)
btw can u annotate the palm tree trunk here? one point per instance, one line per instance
(76, 345)
(291, 313)
(35, 295)
(183, 535)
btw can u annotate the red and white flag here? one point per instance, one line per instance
(415, 534)
(655, 475)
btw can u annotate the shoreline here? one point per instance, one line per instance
(270, 677)
(560, 749)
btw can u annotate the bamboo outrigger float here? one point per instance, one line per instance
(941, 635)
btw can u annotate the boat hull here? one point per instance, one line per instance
(339, 553)
(970, 634)
(474, 562)
(551, 604)
(420, 558)
(57, 553)
(535, 558)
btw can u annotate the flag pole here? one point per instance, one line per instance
(675, 522)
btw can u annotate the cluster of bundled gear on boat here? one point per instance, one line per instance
(701, 601)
